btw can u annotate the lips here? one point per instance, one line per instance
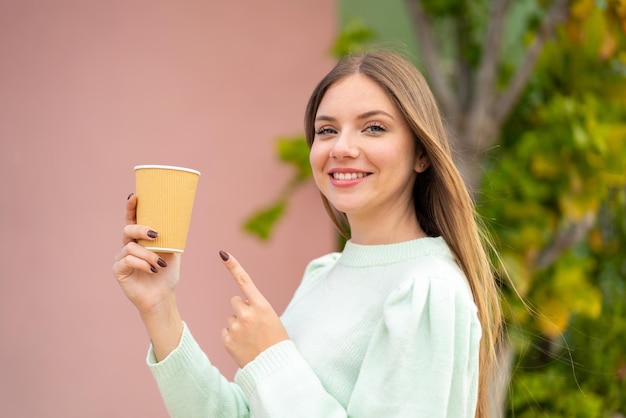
(346, 176)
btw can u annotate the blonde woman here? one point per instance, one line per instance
(402, 323)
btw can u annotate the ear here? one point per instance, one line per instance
(422, 162)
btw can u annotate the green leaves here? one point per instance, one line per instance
(547, 394)
(555, 190)
(563, 290)
(262, 222)
(442, 8)
(354, 35)
(295, 152)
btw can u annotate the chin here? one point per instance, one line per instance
(346, 208)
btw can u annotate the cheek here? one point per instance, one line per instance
(397, 160)
(317, 157)
(387, 157)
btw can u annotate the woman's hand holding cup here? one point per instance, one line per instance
(149, 279)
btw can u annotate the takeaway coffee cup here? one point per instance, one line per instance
(165, 198)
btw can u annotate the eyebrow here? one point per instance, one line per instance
(365, 115)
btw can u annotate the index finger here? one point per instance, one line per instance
(242, 278)
(131, 210)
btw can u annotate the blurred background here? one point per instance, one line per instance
(533, 92)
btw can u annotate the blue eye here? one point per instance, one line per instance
(375, 128)
(325, 131)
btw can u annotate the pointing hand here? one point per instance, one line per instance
(254, 325)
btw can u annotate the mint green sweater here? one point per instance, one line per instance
(375, 332)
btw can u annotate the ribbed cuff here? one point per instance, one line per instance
(180, 358)
(275, 358)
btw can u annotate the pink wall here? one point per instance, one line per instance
(90, 89)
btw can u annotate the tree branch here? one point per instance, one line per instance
(486, 74)
(504, 104)
(564, 240)
(428, 49)
(463, 71)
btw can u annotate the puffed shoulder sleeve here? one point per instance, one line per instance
(313, 271)
(422, 360)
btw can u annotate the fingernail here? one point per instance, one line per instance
(152, 234)
(161, 262)
(130, 195)
(154, 270)
(224, 255)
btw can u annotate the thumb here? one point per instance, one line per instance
(242, 278)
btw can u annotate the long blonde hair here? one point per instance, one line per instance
(443, 205)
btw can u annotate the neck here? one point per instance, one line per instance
(385, 230)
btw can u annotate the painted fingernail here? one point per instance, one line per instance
(224, 255)
(161, 262)
(153, 269)
(130, 195)
(152, 234)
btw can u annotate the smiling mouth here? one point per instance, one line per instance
(349, 176)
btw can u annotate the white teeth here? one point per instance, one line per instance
(348, 176)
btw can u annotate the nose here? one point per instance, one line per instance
(344, 146)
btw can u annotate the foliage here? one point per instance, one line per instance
(583, 372)
(352, 37)
(560, 169)
(262, 222)
(564, 164)
(295, 151)
(292, 151)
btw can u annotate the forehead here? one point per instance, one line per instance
(355, 93)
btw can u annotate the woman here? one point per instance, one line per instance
(402, 323)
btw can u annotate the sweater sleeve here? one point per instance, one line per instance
(192, 387)
(423, 358)
(422, 361)
(279, 383)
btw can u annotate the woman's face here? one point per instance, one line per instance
(363, 155)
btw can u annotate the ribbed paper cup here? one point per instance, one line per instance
(165, 198)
